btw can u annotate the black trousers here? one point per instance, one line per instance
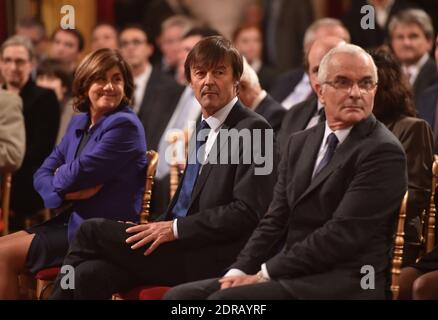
(210, 289)
(105, 264)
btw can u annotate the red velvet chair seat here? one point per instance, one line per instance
(144, 293)
(48, 274)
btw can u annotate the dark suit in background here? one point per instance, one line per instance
(159, 101)
(267, 76)
(284, 26)
(427, 77)
(427, 104)
(41, 118)
(286, 83)
(369, 38)
(227, 202)
(296, 119)
(272, 111)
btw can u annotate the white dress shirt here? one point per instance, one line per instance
(300, 93)
(186, 113)
(413, 70)
(141, 82)
(315, 118)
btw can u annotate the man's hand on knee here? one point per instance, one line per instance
(155, 232)
(236, 281)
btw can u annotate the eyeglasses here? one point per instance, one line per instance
(345, 84)
(18, 62)
(135, 43)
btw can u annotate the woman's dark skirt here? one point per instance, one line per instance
(50, 244)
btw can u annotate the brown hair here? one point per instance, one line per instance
(211, 51)
(94, 66)
(394, 96)
(245, 27)
(75, 33)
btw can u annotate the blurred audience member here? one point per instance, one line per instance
(285, 24)
(411, 35)
(249, 41)
(35, 31)
(52, 74)
(309, 112)
(254, 97)
(41, 117)
(427, 104)
(67, 45)
(294, 86)
(224, 15)
(104, 36)
(172, 31)
(155, 93)
(384, 11)
(12, 134)
(394, 106)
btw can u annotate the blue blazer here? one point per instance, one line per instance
(114, 156)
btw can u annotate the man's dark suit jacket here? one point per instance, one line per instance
(267, 76)
(272, 111)
(296, 119)
(426, 106)
(41, 118)
(369, 38)
(286, 83)
(160, 98)
(336, 223)
(227, 203)
(427, 77)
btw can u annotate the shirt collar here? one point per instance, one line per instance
(259, 99)
(216, 120)
(319, 106)
(414, 69)
(340, 134)
(143, 77)
(256, 65)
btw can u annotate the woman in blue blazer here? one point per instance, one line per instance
(98, 169)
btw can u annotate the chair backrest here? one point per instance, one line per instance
(397, 258)
(5, 193)
(152, 157)
(428, 239)
(177, 140)
(173, 166)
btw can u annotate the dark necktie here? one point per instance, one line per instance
(321, 115)
(191, 173)
(332, 143)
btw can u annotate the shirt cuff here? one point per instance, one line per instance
(265, 271)
(234, 272)
(175, 228)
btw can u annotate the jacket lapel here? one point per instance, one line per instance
(342, 154)
(214, 157)
(307, 159)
